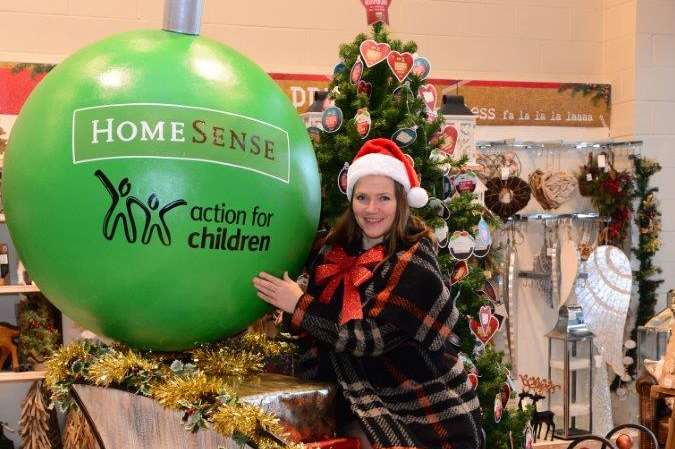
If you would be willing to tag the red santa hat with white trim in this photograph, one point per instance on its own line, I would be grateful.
(384, 157)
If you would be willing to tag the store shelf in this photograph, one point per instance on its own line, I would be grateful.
(26, 376)
(575, 364)
(576, 409)
(17, 289)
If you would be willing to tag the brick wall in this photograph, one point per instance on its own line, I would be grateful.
(485, 39)
(655, 112)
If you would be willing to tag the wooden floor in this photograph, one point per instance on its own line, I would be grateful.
(564, 444)
(555, 444)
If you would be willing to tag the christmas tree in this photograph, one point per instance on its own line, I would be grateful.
(38, 424)
(379, 94)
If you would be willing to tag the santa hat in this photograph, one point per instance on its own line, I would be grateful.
(384, 157)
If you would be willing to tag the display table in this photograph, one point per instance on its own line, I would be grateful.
(125, 420)
(658, 392)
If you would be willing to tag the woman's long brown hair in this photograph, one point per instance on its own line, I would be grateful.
(406, 230)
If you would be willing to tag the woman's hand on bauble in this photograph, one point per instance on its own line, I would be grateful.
(283, 293)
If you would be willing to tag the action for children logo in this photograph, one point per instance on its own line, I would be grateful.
(121, 217)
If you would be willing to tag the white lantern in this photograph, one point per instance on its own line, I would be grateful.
(312, 117)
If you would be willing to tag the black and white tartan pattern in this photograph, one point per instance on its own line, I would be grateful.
(395, 366)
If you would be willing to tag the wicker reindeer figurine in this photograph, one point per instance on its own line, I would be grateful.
(536, 388)
(7, 346)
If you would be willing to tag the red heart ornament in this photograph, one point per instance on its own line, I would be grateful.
(505, 394)
(484, 335)
(459, 271)
(449, 139)
(373, 53)
(473, 379)
(400, 63)
(428, 94)
(364, 87)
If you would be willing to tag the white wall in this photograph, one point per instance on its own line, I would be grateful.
(552, 40)
(559, 40)
(655, 113)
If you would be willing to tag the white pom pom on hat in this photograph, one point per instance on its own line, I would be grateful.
(383, 157)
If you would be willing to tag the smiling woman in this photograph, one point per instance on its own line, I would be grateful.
(374, 205)
(377, 316)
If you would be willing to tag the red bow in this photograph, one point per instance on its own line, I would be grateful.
(352, 272)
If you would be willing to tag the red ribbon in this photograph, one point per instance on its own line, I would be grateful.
(352, 271)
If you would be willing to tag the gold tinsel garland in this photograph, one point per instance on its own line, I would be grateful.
(59, 365)
(115, 367)
(200, 382)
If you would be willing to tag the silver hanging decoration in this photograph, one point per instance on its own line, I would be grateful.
(509, 276)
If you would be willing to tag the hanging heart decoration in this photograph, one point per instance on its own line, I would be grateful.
(374, 53)
(356, 71)
(364, 87)
(459, 272)
(449, 134)
(428, 94)
(484, 333)
(505, 394)
(400, 64)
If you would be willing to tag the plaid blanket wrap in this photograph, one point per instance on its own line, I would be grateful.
(395, 366)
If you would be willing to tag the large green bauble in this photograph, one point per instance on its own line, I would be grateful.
(149, 177)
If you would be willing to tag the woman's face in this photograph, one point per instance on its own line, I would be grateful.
(374, 205)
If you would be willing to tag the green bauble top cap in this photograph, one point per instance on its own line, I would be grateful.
(149, 177)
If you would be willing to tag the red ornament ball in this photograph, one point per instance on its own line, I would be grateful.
(624, 441)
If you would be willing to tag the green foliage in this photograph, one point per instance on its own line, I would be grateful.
(648, 222)
(39, 326)
(493, 374)
(611, 193)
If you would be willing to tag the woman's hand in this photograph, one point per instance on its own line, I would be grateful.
(283, 293)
